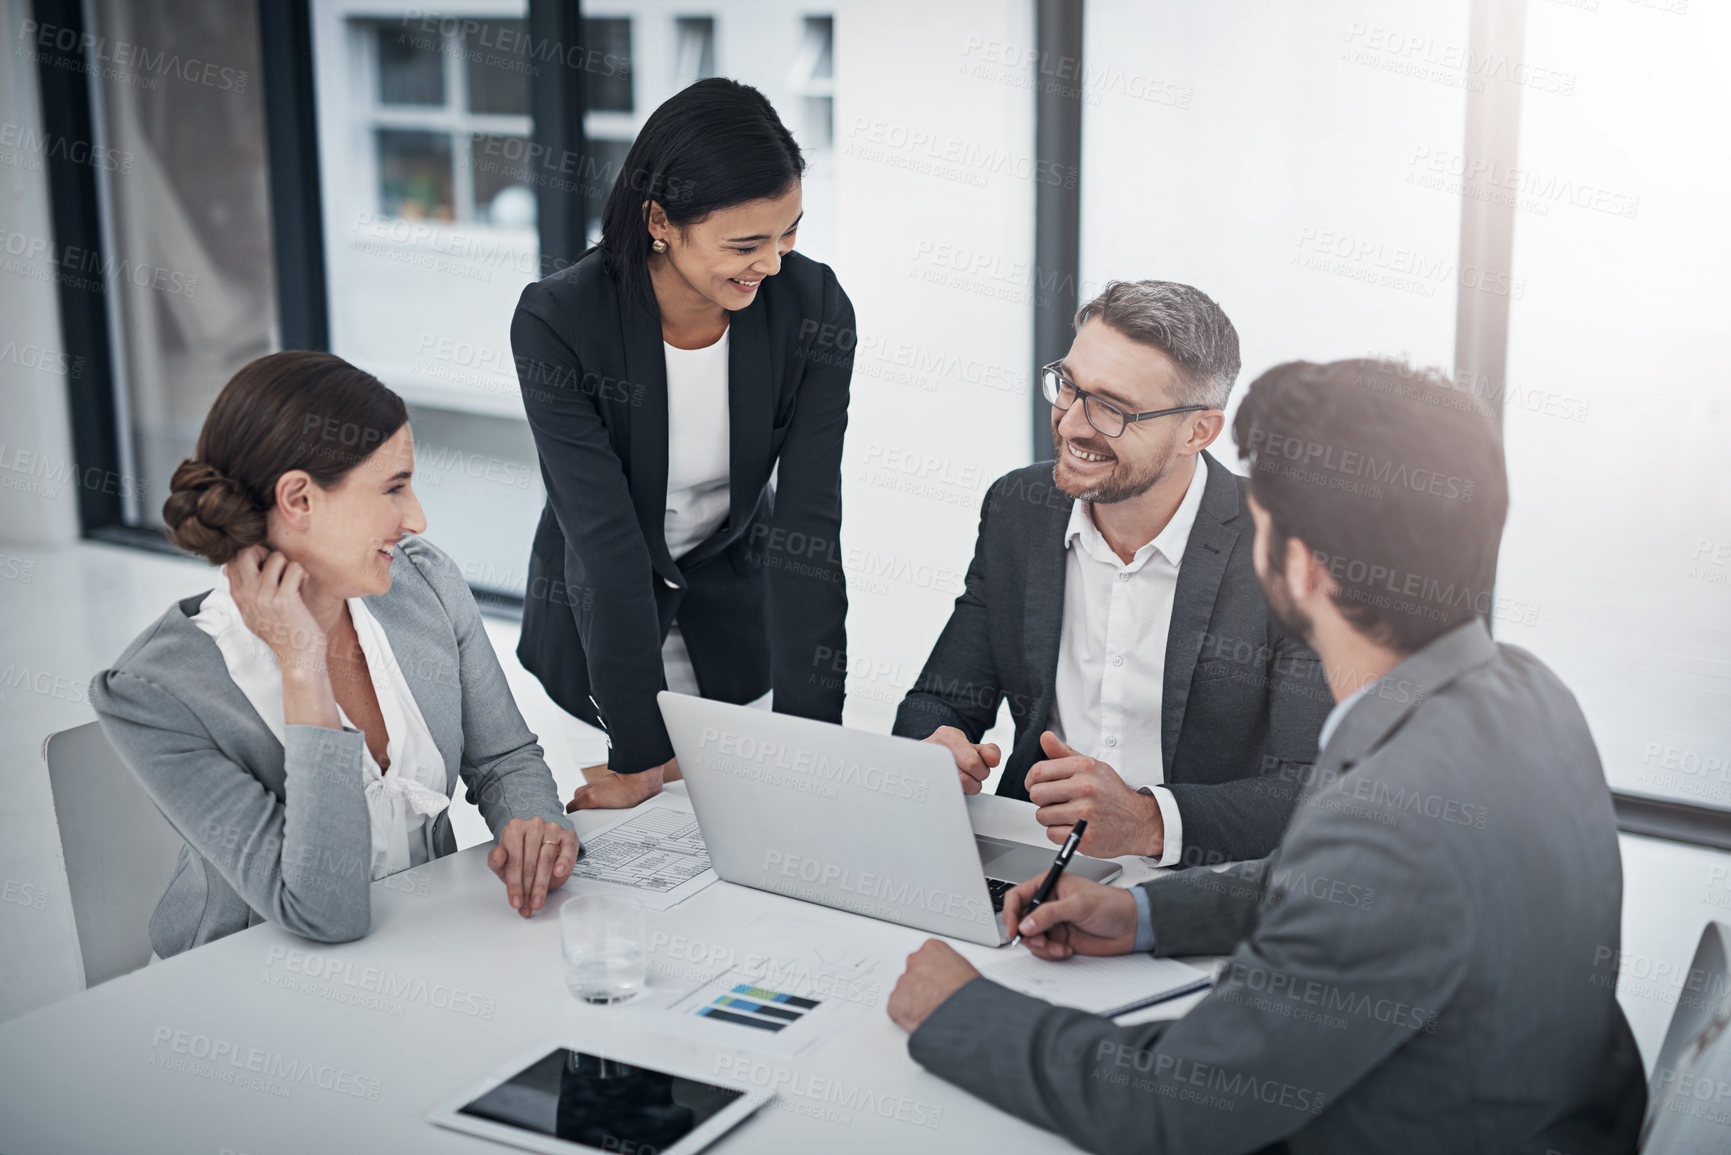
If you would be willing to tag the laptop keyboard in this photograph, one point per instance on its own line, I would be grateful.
(999, 889)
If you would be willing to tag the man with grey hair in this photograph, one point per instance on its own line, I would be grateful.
(1113, 603)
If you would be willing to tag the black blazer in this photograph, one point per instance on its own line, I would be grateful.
(762, 601)
(1241, 700)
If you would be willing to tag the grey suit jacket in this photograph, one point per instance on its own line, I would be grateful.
(1242, 700)
(279, 830)
(1427, 963)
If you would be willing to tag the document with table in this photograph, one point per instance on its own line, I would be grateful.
(655, 852)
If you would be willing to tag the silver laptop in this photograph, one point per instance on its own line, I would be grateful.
(862, 822)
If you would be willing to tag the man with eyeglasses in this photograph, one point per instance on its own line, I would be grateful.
(1113, 603)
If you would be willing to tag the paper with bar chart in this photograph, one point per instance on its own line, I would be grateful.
(785, 988)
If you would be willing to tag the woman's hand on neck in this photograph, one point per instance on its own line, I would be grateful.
(328, 610)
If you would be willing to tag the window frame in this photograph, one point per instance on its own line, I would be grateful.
(557, 121)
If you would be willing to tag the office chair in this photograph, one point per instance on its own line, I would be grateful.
(1689, 1099)
(115, 846)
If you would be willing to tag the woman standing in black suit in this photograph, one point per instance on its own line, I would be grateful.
(666, 374)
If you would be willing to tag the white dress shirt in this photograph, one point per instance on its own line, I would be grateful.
(698, 470)
(401, 803)
(1112, 653)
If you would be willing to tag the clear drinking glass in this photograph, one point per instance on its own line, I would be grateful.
(602, 939)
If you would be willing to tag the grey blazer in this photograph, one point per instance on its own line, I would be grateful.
(1242, 700)
(1427, 963)
(279, 831)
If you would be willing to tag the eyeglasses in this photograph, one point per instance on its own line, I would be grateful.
(1101, 413)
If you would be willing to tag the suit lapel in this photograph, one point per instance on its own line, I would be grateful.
(1043, 605)
(428, 660)
(646, 365)
(1212, 538)
(1394, 696)
(751, 410)
(212, 685)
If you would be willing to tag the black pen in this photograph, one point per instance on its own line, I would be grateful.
(1058, 865)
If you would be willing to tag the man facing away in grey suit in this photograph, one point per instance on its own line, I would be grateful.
(1112, 602)
(1414, 968)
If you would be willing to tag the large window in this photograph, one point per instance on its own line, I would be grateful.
(1616, 407)
(188, 265)
(919, 191)
(1330, 226)
(430, 235)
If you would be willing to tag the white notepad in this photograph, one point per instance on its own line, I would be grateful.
(1102, 986)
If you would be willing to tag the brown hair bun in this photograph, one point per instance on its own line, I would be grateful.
(209, 514)
(285, 411)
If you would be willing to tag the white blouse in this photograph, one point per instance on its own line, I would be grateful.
(698, 434)
(402, 804)
(699, 461)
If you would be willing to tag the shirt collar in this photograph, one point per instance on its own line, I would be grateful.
(1338, 715)
(1170, 541)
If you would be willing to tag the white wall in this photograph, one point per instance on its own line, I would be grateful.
(1619, 411)
(1270, 154)
(935, 235)
(38, 479)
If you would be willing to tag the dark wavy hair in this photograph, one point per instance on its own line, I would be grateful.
(284, 411)
(1393, 477)
(714, 144)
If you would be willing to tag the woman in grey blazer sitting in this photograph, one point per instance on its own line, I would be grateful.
(303, 724)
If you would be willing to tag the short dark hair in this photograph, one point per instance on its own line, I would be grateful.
(1392, 477)
(712, 145)
(1182, 322)
(281, 412)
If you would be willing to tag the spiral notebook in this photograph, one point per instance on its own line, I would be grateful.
(1102, 986)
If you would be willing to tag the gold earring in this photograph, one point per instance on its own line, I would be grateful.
(658, 245)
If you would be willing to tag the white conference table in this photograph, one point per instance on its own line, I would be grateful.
(158, 1060)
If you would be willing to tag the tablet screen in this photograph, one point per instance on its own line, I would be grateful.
(601, 1103)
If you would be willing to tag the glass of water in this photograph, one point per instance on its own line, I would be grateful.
(602, 938)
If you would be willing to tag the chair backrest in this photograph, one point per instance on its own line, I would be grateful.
(115, 846)
(1689, 1099)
